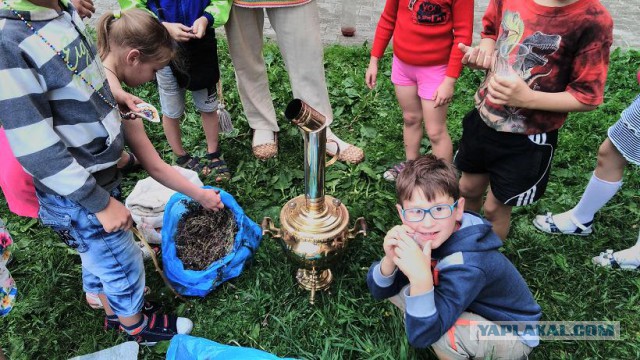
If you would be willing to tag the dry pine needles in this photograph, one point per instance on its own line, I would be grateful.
(204, 236)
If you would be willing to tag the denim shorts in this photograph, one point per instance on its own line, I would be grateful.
(172, 96)
(111, 262)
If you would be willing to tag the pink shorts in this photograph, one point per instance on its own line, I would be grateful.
(427, 78)
(15, 183)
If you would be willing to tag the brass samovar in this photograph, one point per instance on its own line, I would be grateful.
(314, 230)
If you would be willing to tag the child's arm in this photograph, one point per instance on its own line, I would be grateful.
(384, 30)
(481, 57)
(515, 92)
(585, 90)
(115, 216)
(217, 13)
(85, 8)
(179, 32)
(415, 263)
(444, 92)
(462, 18)
(383, 278)
(462, 13)
(166, 175)
(123, 98)
(432, 314)
(26, 115)
(372, 72)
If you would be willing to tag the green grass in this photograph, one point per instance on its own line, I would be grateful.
(265, 309)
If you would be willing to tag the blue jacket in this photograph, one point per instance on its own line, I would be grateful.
(184, 12)
(473, 276)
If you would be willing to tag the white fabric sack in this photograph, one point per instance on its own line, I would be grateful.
(148, 198)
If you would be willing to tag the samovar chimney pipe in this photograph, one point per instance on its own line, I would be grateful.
(314, 132)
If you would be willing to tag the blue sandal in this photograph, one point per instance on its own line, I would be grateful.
(217, 166)
(192, 163)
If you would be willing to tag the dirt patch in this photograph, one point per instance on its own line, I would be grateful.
(204, 236)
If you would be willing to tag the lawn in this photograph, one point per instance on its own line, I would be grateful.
(265, 309)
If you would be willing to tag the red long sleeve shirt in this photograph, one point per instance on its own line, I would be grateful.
(426, 33)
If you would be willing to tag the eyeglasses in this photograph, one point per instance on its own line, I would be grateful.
(437, 212)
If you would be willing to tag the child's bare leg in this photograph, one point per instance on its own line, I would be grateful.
(611, 163)
(472, 189)
(126, 321)
(211, 130)
(498, 214)
(412, 116)
(435, 122)
(603, 185)
(173, 133)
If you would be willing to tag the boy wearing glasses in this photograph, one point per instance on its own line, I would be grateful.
(442, 268)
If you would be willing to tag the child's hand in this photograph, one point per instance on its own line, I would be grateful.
(84, 8)
(475, 57)
(412, 260)
(210, 200)
(391, 241)
(115, 217)
(415, 263)
(444, 93)
(387, 265)
(372, 73)
(200, 27)
(127, 102)
(509, 91)
(179, 32)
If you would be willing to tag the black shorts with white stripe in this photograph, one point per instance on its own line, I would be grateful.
(518, 165)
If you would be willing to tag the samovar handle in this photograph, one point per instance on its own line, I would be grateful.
(335, 157)
(269, 228)
(359, 227)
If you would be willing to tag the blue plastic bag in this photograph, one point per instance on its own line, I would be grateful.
(185, 347)
(201, 283)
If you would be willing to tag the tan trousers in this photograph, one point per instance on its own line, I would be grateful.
(297, 30)
(458, 342)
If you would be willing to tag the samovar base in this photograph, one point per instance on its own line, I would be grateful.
(313, 281)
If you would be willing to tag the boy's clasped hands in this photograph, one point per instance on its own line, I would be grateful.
(508, 91)
(403, 252)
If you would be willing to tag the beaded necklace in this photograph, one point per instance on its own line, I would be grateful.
(59, 53)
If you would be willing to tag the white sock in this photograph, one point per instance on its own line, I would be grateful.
(331, 146)
(595, 196)
(628, 257)
(261, 137)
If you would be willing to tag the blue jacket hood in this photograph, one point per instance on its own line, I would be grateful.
(474, 235)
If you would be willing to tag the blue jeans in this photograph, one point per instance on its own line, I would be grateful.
(111, 262)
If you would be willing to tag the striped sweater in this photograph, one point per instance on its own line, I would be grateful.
(61, 131)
